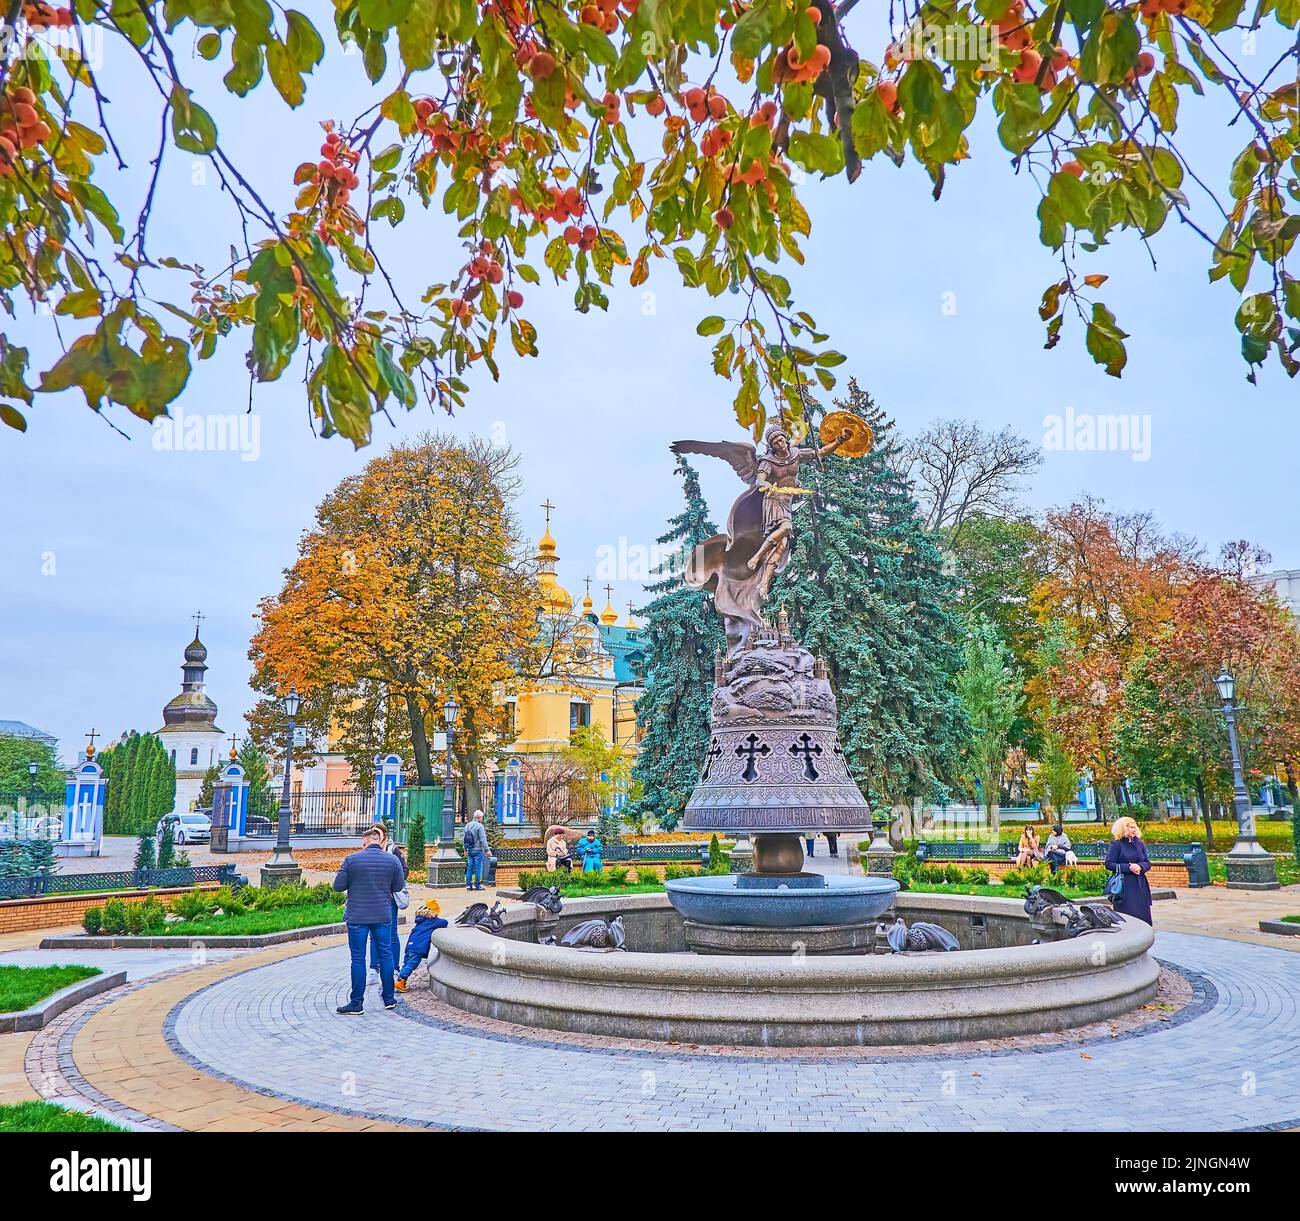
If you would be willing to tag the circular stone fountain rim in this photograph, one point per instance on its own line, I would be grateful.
(1128, 941)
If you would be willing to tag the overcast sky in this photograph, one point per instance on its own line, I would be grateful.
(112, 544)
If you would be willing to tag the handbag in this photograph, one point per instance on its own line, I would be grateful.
(402, 898)
(1115, 884)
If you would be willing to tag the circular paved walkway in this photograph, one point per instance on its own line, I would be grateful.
(1230, 1061)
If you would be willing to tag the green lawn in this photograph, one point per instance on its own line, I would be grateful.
(22, 987)
(1292, 919)
(249, 924)
(47, 1117)
(591, 892)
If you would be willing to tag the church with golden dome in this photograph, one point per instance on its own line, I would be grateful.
(597, 678)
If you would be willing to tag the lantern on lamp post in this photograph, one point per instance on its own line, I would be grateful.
(1249, 866)
(447, 868)
(282, 867)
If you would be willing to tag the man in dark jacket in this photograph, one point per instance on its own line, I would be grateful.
(371, 878)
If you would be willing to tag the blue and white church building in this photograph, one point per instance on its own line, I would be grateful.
(190, 733)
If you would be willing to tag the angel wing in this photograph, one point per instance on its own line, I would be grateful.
(740, 455)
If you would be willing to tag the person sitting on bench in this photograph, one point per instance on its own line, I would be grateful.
(1057, 850)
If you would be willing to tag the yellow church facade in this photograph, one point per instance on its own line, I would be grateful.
(597, 678)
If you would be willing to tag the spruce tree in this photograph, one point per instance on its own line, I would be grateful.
(865, 589)
(257, 772)
(207, 792)
(144, 851)
(683, 633)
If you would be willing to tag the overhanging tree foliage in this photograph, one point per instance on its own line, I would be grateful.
(512, 117)
(682, 633)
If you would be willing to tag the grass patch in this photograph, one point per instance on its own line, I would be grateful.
(591, 892)
(22, 987)
(1291, 919)
(250, 924)
(48, 1117)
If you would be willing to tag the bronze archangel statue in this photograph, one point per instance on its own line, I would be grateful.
(738, 567)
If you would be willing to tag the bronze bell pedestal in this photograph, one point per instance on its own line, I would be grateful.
(774, 769)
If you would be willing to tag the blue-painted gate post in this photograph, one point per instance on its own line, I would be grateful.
(388, 779)
(235, 810)
(510, 796)
(83, 811)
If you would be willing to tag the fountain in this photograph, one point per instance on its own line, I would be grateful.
(778, 956)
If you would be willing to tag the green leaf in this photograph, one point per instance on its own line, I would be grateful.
(306, 48)
(710, 326)
(210, 45)
(13, 417)
(754, 30)
(284, 73)
(1164, 101)
(192, 127)
(383, 14)
(416, 36)
(824, 154)
(1105, 340)
(387, 159)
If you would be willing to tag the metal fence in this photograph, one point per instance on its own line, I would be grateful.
(31, 815)
(126, 879)
(614, 853)
(341, 813)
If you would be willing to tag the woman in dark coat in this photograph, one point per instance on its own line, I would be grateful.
(1127, 856)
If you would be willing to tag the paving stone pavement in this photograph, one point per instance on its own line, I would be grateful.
(1233, 1063)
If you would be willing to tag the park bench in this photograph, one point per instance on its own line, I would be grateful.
(1169, 864)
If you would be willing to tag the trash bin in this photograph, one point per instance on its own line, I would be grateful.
(220, 838)
(1198, 867)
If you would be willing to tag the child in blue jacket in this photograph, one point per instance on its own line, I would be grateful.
(420, 941)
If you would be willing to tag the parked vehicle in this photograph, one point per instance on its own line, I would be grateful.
(191, 828)
(23, 826)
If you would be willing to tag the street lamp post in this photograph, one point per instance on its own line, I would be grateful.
(447, 868)
(1249, 866)
(282, 868)
(32, 768)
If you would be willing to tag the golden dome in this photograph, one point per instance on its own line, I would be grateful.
(556, 600)
(609, 616)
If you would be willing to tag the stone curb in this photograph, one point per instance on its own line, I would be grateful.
(63, 1000)
(253, 942)
(1282, 927)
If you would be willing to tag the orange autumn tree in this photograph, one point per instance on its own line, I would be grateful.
(1111, 581)
(1222, 620)
(412, 586)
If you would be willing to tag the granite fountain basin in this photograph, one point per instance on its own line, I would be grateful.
(1003, 982)
(781, 901)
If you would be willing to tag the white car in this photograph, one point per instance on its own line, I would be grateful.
(31, 827)
(187, 828)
